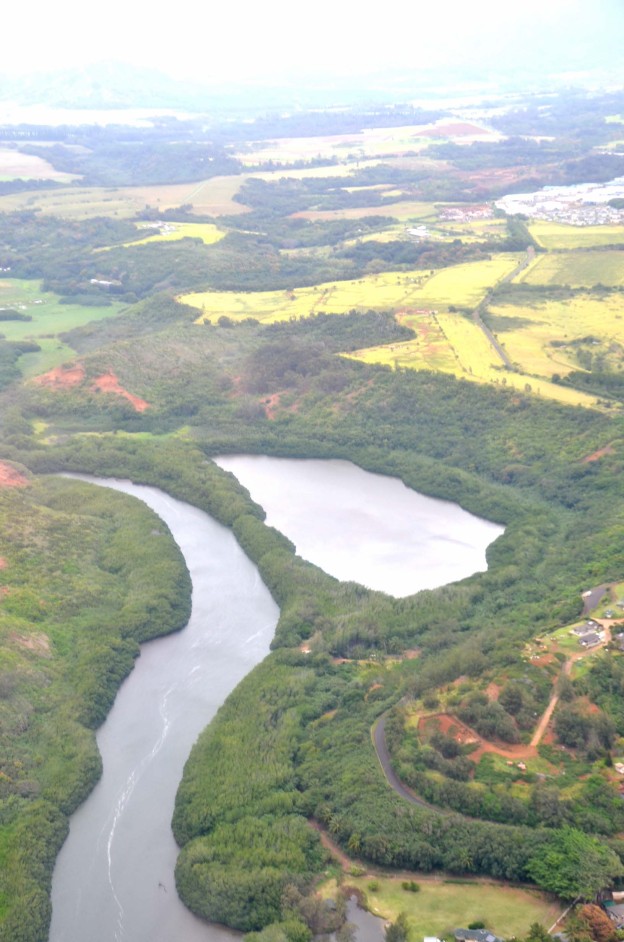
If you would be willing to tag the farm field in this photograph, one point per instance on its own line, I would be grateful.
(451, 343)
(50, 318)
(402, 210)
(460, 285)
(207, 232)
(576, 269)
(17, 166)
(211, 197)
(559, 336)
(554, 235)
(370, 142)
(440, 906)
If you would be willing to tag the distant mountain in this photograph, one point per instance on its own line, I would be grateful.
(103, 85)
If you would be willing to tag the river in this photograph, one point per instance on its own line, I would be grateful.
(113, 881)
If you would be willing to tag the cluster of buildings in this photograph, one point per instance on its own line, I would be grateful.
(589, 635)
(583, 204)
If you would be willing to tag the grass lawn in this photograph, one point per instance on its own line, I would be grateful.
(439, 906)
(49, 319)
(555, 235)
(576, 269)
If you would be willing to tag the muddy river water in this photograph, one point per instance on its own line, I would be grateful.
(113, 881)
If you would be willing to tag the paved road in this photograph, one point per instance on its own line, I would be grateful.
(592, 598)
(379, 741)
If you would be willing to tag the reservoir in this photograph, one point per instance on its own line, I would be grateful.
(363, 527)
(113, 881)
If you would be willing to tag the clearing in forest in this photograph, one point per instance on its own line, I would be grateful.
(173, 231)
(48, 319)
(443, 903)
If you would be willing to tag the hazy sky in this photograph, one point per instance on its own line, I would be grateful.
(246, 39)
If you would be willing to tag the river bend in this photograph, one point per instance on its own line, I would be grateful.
(113, 881)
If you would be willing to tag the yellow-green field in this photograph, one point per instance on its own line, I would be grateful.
(576, 269)
(452, 343)
(554, 235)
(213, 197)
(584, 322)
(402, 210)
(208, 233)
(439, 906)
(460, 285)
(49, 319)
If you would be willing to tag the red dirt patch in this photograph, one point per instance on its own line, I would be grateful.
(271, 404)
(10, 477)
(543, 660)
(492, 691)
(451, 726)
(109, 383)
(411, 653)
(3, 563)
(62, 377)
(600, 453)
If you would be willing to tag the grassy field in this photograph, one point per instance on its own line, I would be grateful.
(576, 269)
(212, 197)
(451, 343)
(461, 285)
(368, 143)
(207, 232)
(17, 166)
(439, 906)
(402, 210)
(49, 319)
(554, 235)
(584, 323)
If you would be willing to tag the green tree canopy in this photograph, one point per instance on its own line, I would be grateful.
(574, 864)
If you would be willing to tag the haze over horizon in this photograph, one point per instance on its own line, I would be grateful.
(267, 43)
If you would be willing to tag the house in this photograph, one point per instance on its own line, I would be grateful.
(590, 640)
(475, 935)
(615, 911)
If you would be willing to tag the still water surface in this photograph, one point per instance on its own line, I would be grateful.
(365, 527)
(114, 877)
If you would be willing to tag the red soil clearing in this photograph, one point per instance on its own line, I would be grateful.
(451, 726)
(596, 455)
(109, 383)
(9, 477)
(62, 377)
(3, 562)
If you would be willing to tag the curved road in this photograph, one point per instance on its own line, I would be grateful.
(379, 742)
